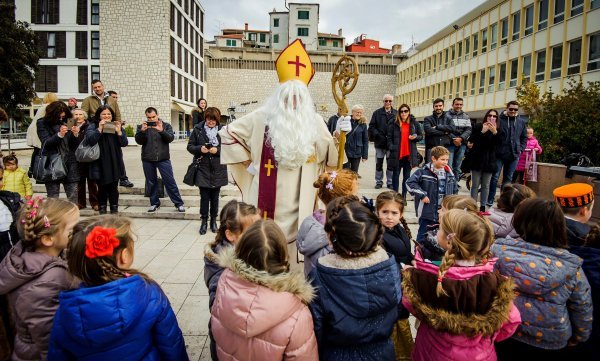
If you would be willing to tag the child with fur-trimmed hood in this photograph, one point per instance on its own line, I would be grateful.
(464, 306)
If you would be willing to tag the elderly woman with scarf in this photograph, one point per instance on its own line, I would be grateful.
(205, 145)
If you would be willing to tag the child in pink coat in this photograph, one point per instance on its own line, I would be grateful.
(532, 146)
(463, 305)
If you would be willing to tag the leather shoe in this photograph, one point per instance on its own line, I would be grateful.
(203, 226)
(378, 186)
(126, 183)
(213, 225)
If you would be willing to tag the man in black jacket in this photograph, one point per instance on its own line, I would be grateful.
(438, 128)
(512, 140)
(378, 127)
(154, 136)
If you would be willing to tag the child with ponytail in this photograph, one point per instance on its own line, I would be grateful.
(34, 272)
(358, 287)
(312, 240)
(396, 240)
(118, 312)
(464, 306)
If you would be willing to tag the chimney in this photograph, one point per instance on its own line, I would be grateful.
(340, 32)
(396, 48)
(246, 26)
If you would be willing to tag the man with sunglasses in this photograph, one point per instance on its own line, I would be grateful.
(378, 126)
(512, 140)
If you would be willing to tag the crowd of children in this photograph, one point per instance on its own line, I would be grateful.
(515, 283)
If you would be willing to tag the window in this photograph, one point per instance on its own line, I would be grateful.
(502, 76)
(543, 15)
(275, 38)
(45, 79)
(322, 42)
(179, 24)
(444, 92)
(452, 54)
(460, 46)
(516, 23)
(230, 42)
(45, 11)
(556, 62)
(95, 12)
(434, 63)
(303, 14)
(446, 58)
(82, 79)
(467, 46)
(81, 43)
(559, 11)
(540, 66)
(82, 16)
(336, 44)
(475, 44)
(484, 41)
(95, 45)
(179, 86)
(473, 80)
(173, 16)
(594, 4)
(526, 68)
(481, 81)
(186, 59)
(528, 20)
(494, 36)
(456, 86)
(574, 57)
(96, 72)
(594, 52)
(465, 84)
(302, 31)
(276, 23)
(180, 56)
(504, 31)
(263, 38)
(491, 79)
(514, 72)
(576, 7)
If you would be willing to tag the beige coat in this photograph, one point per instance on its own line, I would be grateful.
(92, 103)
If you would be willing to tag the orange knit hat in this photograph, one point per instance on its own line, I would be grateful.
(574, 195)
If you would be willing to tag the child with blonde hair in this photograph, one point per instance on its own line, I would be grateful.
(463, 305)
(15, 177)
(312, 240)
(35, 271)
(260, 310)
(118, 310)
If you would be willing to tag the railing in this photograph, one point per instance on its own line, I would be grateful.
(10, 141)
(182, 134)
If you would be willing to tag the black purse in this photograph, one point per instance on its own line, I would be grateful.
(49, 167)
(190, 175)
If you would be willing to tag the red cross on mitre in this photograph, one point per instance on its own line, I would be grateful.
(294, 63)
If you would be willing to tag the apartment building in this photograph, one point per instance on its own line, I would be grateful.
(300, 22)
(497, 46)
(244, 38)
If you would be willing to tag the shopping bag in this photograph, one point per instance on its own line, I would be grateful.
(531, 167)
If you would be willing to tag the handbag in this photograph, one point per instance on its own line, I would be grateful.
(160, 188)
(49, 167)
(531, 167)
(190, 175)
(86, 153)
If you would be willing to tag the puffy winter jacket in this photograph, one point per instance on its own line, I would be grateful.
(32, 281)
(356, 306)
(461, 124)
(502, 223)
(155, 144)
(437, 130)
(464, 325)
(394, 136)
(378, 126)
(591, 267)
(532, 146)
(424, 183)
(128, 319)
(17, 181)
(312, 241)
(258, 316)
(554, 295)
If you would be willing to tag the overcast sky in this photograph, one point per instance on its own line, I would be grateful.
(389, 21)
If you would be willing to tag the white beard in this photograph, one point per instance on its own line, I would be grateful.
(292, 132)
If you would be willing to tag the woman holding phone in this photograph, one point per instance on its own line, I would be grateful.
(482, 155)
(402, 136)
(205, 146)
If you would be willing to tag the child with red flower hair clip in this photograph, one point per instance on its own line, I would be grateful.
(35, 271)
(119, 311)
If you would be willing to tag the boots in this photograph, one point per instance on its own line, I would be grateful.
(213, 225)
(203, 226)
(102, 209)
(114, 209)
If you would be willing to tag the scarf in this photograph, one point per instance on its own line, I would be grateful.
(211, 133)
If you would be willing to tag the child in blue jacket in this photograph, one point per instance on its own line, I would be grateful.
(429, 185)
(118, 312)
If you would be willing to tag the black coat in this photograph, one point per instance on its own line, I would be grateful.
(394, 134)
(12, 201)
(511, 144)
(109, 167)
(378, 126)
(155, 144)
(437, 130)
(357, 141)
(53, 144)
(482, 157)
(211, 174)
(197, 117)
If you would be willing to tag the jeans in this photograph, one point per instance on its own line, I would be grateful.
(166, 172)
(480, 179)
(352, 164)
(456, 157)
(424, 225)
(209, 198)
(53, 190)
(380, 154)
(507, 167)
(108, 193)
(404, 166)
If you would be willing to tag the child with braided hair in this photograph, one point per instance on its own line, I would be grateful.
(358, 287)
(118, 310)
(464, 306)
(34, 272)
(312, 240)
(397, 241)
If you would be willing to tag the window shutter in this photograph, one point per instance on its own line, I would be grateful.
(51, 81)
(61, 46)
(40, 79)
(42, 42)
(54, 8)
(81, 12)
(81, 43)
(83, 79)
(35, 12)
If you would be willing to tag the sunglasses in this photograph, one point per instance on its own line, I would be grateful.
(404, 111)
(387, 101)
(492, 116)
(513, 109)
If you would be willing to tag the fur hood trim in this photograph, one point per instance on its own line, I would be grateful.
(333, 260)
(292, 282)
(470, 325)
